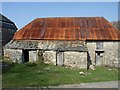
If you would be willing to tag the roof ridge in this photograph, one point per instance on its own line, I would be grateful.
(70, 17)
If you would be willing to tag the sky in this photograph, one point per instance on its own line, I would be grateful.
(22, 13)
(60, 0)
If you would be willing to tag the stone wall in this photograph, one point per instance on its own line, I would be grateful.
(76, 59)
(110, 54)
(14, 54)
(49, 57)
(45, 50)
(43, 44)
(71, 58)
(91, 52)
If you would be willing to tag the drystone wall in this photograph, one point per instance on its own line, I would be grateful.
(14, 55)
(91, 52)
(49, 57)
(110, 55)
(13, 51)
(47, 50)
(76, 59)
(43, 44)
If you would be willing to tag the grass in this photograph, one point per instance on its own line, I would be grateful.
(37, 75)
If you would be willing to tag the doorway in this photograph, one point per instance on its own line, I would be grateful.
(99, 57)
(25, 55)
(60, 58)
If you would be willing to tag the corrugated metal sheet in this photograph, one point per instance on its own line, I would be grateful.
(78, 28)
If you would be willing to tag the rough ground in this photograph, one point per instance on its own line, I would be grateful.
(110, 84)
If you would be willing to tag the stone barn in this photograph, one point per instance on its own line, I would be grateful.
(70, 41)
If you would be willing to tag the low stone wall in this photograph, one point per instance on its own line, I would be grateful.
(76, 59)
(14, 55)
(49, 57)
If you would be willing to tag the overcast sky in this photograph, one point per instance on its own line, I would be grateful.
(24, 12)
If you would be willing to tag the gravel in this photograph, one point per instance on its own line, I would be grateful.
(110, 84)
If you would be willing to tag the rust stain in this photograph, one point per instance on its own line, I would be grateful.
(68, 28)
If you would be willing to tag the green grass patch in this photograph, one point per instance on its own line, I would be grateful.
(40, 74)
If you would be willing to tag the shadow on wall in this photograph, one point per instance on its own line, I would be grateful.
(89, 61)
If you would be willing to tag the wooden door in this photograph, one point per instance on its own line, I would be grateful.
(99, 58)
(60, 58)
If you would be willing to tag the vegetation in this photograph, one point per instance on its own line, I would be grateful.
(40, 74)
(116, 24)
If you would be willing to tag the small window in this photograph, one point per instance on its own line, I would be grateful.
(98, 54)
(99, 45)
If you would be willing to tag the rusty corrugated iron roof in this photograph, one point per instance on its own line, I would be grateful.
(68, 28)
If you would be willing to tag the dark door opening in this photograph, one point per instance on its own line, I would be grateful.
(26, 55)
